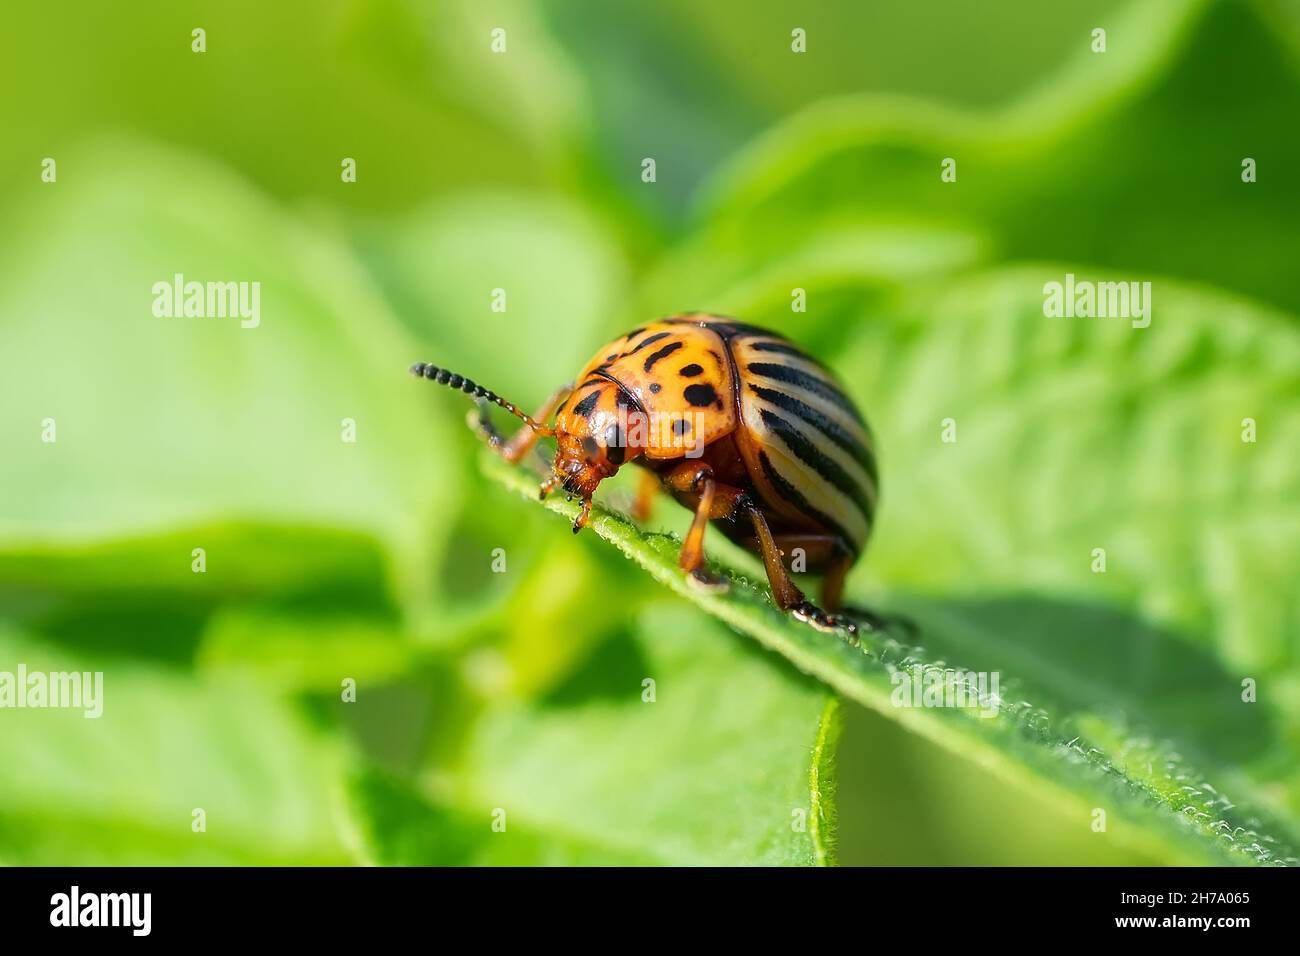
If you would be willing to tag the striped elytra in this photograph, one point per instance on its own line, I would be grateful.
(749, 432)
(806, 450)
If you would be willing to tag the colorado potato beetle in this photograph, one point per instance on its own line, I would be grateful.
(737, 424)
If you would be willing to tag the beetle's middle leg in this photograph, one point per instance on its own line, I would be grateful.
(521, 443)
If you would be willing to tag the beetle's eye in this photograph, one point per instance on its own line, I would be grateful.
(614, 450)
(590, 448)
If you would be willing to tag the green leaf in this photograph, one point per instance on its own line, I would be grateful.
(395, 824)
(176, 433)
(121, 789)
(708, 81)
(1083, 757)
(397, 85)
(1126, 439)
(724, 760)
(476, 274)
(1078, 170)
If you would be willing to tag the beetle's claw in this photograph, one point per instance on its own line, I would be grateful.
(814, 616)
(584, 516)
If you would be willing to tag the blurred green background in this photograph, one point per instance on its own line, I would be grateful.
(372, 560)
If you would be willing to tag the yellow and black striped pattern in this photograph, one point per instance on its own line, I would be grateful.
(806, 450)
(806, 447)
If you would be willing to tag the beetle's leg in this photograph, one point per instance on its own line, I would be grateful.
(818, 551)
(833, 582)
(584, 516)
(831, 551)
(715, 500)
(547, 486)
(785, 592)
(833, 594)
(522, 442)
(645, 496)
(694, 478)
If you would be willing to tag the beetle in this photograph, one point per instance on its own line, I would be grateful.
(748, 431)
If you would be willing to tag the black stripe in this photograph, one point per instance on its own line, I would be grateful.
(587, 405)
(812, 456)
(827, 426)
(667, 350)
(784, 348)
(791, 494)
(648, 340)
(726, 328)
(623, 390)
(801, 379)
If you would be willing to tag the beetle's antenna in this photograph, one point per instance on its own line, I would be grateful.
(443, 377)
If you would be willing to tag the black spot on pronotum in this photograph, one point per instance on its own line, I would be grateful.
(587, 405)
(681, 427)
(667, 350)
(690, 371)
(700, 395)
(590, 448)
(655, 388)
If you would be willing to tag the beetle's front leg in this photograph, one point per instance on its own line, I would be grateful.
(715, 500)
(522, 442)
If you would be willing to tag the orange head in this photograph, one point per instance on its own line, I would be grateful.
(595, 434)
(591, 432)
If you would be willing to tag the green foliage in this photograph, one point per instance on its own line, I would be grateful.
(519, 687)
(668, 720)
(1078, 741)
(124, 786)
(165, 424)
